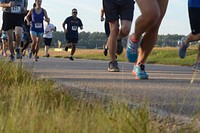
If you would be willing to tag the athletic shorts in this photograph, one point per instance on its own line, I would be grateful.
(194, 15)
(47, 41)
(72, 40)
(118, 9)
(38, 34)
(11, 20)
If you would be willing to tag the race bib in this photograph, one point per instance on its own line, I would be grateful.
(16, 9)
(74, 28)
(38, 25)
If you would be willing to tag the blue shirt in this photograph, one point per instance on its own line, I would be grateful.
(72, 26)
(37, 21)
(194, 3)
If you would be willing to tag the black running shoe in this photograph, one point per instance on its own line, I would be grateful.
(105, 52)
(71, 58)
(113, 66)
(66, 48)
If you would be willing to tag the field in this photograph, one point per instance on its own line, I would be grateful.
(168, 56)
(32, 105)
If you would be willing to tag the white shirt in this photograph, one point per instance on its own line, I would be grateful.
(48, 30)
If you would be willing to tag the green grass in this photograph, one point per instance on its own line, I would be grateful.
(32, 105)
(167, 56)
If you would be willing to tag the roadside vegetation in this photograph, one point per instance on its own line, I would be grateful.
(165, 55)
(29, 104)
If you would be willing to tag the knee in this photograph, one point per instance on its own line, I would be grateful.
(125, 30)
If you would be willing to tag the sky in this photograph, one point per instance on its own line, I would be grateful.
(175, 21)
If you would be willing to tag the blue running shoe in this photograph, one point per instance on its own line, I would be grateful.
(182, 48)
(30, 54)
(132, 50)
(196, 66)
(12, 58)
(139, 72)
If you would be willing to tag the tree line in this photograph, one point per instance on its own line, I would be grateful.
(96, 40)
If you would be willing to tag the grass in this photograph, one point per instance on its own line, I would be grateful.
(29, 104)
(167, 56)
(32, 105)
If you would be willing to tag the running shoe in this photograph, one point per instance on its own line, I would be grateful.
(139, 72)
(105, 52)
(12, 58)
(113, 66)
(30, 54)
(132, 50)
(71, 58)
(182, 48)
(18, 55)
(66, 48)
(4, 53)
(48, 55)
(119, 47)
(35, 58)
(196, 66)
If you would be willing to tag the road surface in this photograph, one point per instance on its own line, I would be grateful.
(169, 89)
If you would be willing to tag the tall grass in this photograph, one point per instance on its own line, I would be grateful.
(31, 105)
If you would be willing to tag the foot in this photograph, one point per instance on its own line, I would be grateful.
(12, 58)
(132, 50)
(139, 72)
(113, 66)
(71, 58)
(66, 48)
(196, 66)
(182, 48)
(30, 54)
(105, 52)
(18, 55)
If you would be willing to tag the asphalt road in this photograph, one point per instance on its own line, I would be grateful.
(169, 89)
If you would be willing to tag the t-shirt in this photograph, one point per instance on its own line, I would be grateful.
(17, 9)
(72, 26)
(48, 30)
(194, 3)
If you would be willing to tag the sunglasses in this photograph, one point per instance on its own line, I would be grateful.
(74, 12)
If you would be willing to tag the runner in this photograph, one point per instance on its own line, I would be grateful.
(115, 10)
(194, 16)
(49, 28)
(148, 23)
(71, 32)
(4, 43)
(12, 21)
(38, 14)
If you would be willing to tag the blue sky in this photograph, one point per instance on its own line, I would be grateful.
(175, 22)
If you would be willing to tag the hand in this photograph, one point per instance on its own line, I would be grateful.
(102, 19)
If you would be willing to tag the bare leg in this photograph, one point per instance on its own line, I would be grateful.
(154, 14)
(112, 39)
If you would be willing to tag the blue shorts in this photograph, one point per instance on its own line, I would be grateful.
(39, 34)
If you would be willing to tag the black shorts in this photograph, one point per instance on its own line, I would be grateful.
(72, 40)
(194, 15)
(47, 41)
(11, 20)
(115, 9)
